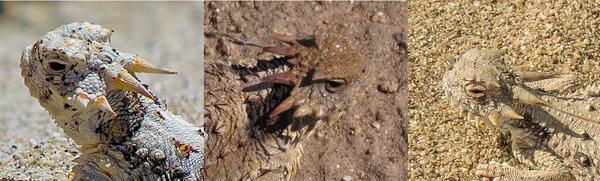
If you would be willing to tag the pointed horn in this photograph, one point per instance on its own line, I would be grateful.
(103, 105)
(524, 96)
(281, 50)
(283, 106)
(284, 38)
(83, 99)
(494, 117)
(529, 76)
(142, 65)
(302, 111)
(126, 81)
(509, 112)
(286, 78)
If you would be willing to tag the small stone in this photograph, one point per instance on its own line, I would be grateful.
(376, 125)
(389, 86)
(320, 134)
(381, 116)
(347, 178)
(379, 17)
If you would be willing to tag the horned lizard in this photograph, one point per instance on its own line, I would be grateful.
(260, 128)
(552, 119)
(91, 91)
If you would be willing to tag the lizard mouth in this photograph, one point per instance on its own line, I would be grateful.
(262, 104)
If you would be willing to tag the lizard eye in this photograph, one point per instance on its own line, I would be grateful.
(475, 90)
(336, 85)
(56, 66)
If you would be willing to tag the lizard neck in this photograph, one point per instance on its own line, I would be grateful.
(90, 127)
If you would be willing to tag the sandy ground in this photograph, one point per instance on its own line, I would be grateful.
(369, 142)
(31, 146)
(541, 36)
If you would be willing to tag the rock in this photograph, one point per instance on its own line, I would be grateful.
(347, 178)
(388, 86)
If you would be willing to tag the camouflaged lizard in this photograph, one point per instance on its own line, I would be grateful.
(257, 126)
(91, 91)
(552, 120)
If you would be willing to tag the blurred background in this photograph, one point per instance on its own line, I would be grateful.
(168, 34)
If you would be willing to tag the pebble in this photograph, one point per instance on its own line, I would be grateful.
(389, 86)
(347, 178)
(376, 125)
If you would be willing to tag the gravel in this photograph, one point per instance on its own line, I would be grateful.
(540, 36)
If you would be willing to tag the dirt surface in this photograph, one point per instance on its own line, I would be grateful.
(542, 36)
(368, 144)
(31, 145)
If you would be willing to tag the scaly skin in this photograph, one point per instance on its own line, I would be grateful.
(552, 120)
(257, 132)
(91, 91)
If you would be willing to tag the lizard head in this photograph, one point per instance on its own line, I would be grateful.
(71, 69)
(482, 84)
(325, 75)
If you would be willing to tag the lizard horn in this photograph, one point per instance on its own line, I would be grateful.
(524, 96)
(120, 79)
(529, 76)
(103, 105)
(286, 78)
(509, 112)
(302, 111)
(494, 117)
(283, 106)
(83, 99)
(142, 65)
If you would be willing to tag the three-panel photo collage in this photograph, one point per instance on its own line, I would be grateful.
(316, 90)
